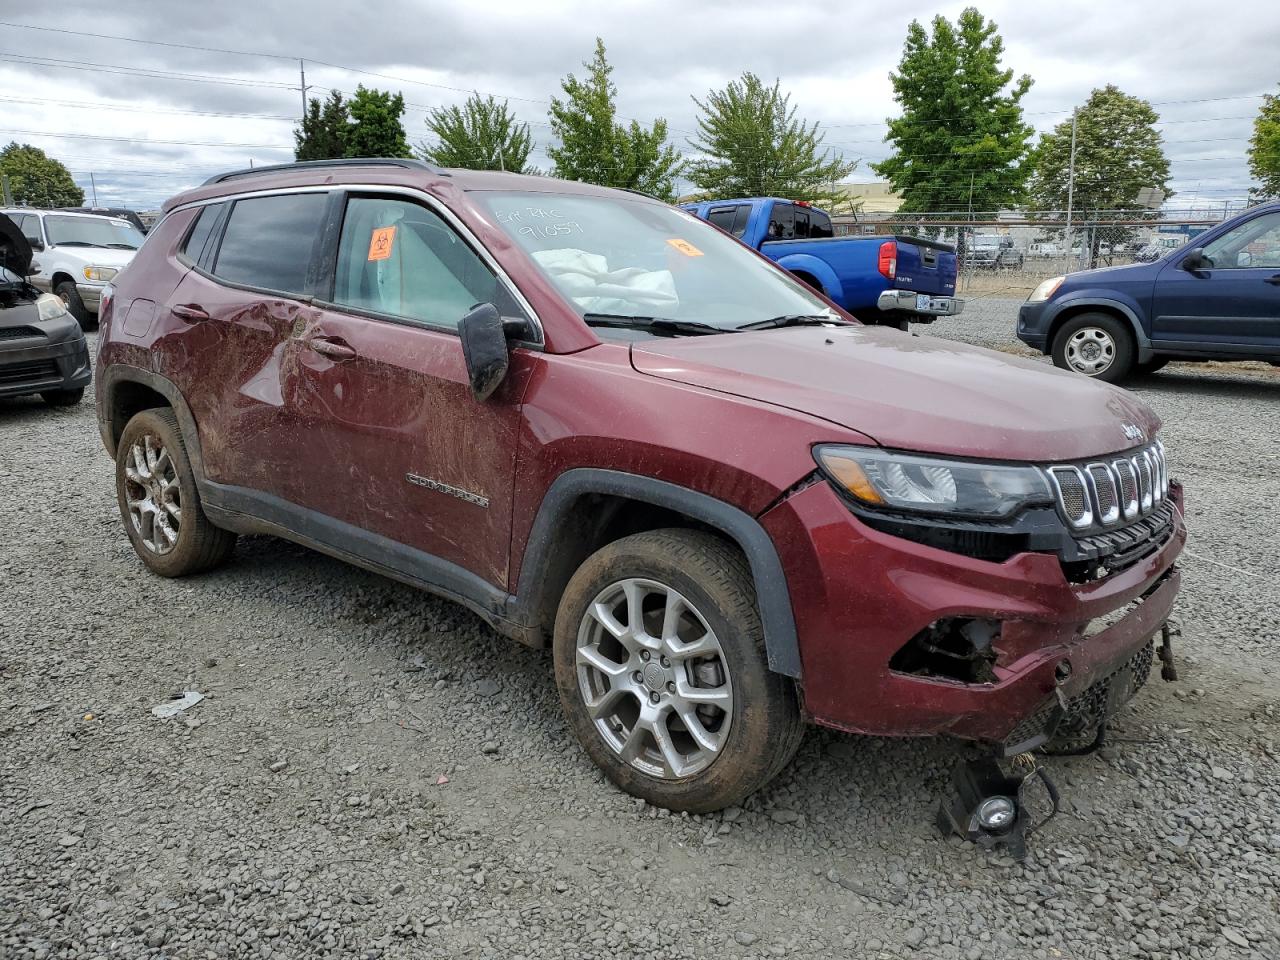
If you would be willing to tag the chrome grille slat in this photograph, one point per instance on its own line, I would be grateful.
(1107, 493)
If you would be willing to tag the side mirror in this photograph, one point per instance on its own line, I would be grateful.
(484, 347)
(1195, 260)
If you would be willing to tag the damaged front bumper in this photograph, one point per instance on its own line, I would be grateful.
(1058, 647)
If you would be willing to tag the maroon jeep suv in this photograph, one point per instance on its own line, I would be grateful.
(608, 427)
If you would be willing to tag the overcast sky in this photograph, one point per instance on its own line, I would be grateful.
(71, 95)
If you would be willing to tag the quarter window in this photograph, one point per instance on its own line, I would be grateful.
(398, 258)
(199, 234)
(268, 241)
(782, 222)
(819, 225)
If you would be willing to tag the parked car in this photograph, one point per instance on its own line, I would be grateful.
(1217, 300)
(992, 252)
(78, 254)
(884, 279)
(607, 427)
(118, 213)
(42, 348)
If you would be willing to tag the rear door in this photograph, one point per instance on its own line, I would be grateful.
(233, 314)
(377, 389)
(1232, 305)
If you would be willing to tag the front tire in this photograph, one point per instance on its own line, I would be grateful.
(1096, 345)
(158, 500)
(70, 296)
(661, 668)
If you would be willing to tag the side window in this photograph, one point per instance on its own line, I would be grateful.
(396, 257)
(722, 217)
(819, 225)
(802, 224)
(268, 241)
(1253, 244)
(741, 219)
(782, 223)
(30, 227)
(200, 231)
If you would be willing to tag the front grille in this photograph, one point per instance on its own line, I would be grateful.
(19, 333)
(31, 372)
(1105, 493)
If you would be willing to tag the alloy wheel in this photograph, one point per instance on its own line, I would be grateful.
(1090, 350)
(654, 679)
(153, 494)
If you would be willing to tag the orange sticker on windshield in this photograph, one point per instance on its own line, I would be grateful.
(381, 242)
(685, 247)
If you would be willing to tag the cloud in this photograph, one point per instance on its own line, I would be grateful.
(834, 62)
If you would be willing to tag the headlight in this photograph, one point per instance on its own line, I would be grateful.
(101, 274)
(51, 307)
(901, 481)
(1045, 290)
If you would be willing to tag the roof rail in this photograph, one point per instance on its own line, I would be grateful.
(406, 163)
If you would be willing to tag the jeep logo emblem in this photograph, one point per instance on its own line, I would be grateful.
(1133, 432)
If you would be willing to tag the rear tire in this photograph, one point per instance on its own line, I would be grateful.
(158, 500)
(1096, 345)
(70, 296)
(63, 398)
(623, 686)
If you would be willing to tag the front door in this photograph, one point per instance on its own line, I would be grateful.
(378, 389)
(1230, 306)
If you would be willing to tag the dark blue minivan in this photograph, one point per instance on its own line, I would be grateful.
(1216, 300)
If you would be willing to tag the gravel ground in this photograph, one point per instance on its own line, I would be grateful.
(373, 773)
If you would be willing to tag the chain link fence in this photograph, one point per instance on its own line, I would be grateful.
(1009, 253)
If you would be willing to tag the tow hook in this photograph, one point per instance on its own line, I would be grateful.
(986, 807)
(1168, 669)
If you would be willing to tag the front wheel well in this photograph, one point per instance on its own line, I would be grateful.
(61, 277)
(1074, 311)
(591, 522)
(127, 399)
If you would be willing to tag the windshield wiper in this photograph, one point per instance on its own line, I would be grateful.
(77, 243)
(790, 320)
(120, 246)
(654, 324)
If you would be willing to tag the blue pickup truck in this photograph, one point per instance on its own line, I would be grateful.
(889, 280)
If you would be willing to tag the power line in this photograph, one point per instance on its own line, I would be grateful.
(125, 108)
(183, 143)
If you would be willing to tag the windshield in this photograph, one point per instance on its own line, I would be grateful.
(93, 232)
(633, 258)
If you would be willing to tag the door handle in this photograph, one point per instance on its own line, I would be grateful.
(190, 312)
(1274, 281)
(332, 348)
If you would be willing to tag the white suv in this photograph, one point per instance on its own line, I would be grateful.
(76, 255)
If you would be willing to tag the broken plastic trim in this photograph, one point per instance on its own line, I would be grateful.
(954, 648)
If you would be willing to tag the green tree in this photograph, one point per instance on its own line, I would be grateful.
(753, 146)
(482, 134)
(377, 129)
(961, 139)
(1118, 154)
(595, 148)
(1264, 149)
(322, 135)
(36, 179)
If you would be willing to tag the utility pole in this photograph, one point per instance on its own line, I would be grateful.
(4, 189)
(93, 185)
(1071, 177)
(302, 74)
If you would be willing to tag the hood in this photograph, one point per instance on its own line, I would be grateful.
(15, 251)
(912, 393)
(1084, 278)
(98, 256)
